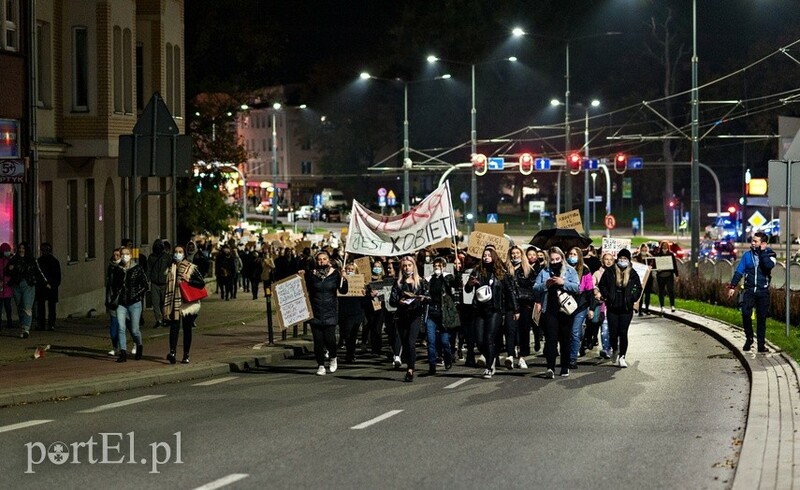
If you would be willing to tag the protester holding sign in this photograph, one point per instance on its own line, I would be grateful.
(641, 257)
(665, 277)
(585, 308)
(323, 283)
(409, 295)
(518, 332)
(599, 322)
(441, 314)
(351, 314)
(494, 294)
(376, 311)
(555, 280)
(620, 288)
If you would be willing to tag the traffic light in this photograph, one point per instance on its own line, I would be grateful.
(620, 163)
(480, 163)
(574, 161)
(732, 210)
(526, 164)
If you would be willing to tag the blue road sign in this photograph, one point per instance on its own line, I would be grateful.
(464, 197)
(635, 163)
(591, 164)
(392, 201)
(382, 201)
(491, 218)
(542, 164)
(317, 200)
(496, 163)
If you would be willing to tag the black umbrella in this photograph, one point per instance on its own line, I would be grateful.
(563, 238)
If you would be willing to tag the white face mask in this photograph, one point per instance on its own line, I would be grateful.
(623, 264)
(408, 273)
(178, 257)
(351, 273)
(126, 258)
(437, 272)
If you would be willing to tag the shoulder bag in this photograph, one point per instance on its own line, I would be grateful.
(567, 302)
(190, 294)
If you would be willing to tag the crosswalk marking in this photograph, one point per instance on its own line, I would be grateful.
(457, 384)
(377, 419)
(121, 404)
(22, 425)
(224, 481)
(215, 381)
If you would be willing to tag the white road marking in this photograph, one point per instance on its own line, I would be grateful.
(457, 384)
(22, 425)
(224, 481)
(377, 419)
(121, 404)
(215, 381)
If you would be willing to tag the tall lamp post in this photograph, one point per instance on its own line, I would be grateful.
(407, 163)
(473, 115)
(275, 108)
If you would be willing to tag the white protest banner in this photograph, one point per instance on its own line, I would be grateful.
(291, 299)
(466, 298)
(614, 245)
(479, 240)
(643, 271)
(570, 219)
(663, 263)
(428, 223)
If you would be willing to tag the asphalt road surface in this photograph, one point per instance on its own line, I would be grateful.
(673, 419)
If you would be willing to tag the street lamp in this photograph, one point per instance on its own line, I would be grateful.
(473, 134)
(219, 165)
(519, 32)
(407, 163)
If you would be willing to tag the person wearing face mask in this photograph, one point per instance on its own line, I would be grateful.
(620, 289)
(518, 332)
(375, 312)
(491, 275)
(112, 301)
(665, 279)
(323, 283)
(585, 310)
(409, 293)
(599, 322)
(557, 276)
(351, 316)
(225, 270)
(756, 269)
(25, 274)
(177, 312)
(5, 287)
(439, 285)
(641, 257)
(47, 290)
(129, 285)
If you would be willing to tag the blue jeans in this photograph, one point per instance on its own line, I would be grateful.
(605, 338)
(438, 336)
(24, 295)
(577, 334)
(113, 330)
(133, 311)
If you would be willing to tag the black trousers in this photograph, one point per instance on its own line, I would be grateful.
(373, 331)
(666, 285)
(618, 324)
(324, 338)
(51, 312)
(759, 301)
(348, 331)
(187, 323)
(409, 328)
(487, 325)
(557, 331)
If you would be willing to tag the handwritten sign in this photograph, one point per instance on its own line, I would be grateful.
(570, 219)
(643, 271)
(291, 299)
(479, 240)
(364, 267)
(466, 298)
(302, 245)
(663, 263)
(355, 286)
(384, 289)
(496, 229)
(614, 245)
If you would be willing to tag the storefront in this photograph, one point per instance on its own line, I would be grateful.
(12, 172)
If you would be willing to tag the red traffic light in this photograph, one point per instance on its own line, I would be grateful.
(620, 163)
(574, 161)
(526, 164)
(480, 163)
(732, 209)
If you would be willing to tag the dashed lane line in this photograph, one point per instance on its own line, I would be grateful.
(22, 425)
(121, 404)
(457, 383)
(224, 481)
(377, 419)
(215, 381)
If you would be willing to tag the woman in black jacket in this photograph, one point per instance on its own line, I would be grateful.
(25, 275)
(351, 316)
(620, 288)
(409, 293)
(518, 332)
(494, 293)
(323, 283)
(129, 285)
(438, 335)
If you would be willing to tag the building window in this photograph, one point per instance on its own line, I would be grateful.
(9, 27)
(139, 77)
(43, 66)
(72, 220)
(89, 206)
(127, 76)
(178, 93)
(118, 78)
(305, 167)
(173, 69)
(169, 100)
(80, 69)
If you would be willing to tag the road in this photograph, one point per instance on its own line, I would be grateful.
(673, 419)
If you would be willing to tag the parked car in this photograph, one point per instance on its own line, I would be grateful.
(772, 228)
(718, 250)
(723, 228)
(338, 214)
(304, 212)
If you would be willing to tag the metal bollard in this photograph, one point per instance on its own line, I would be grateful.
(270, 333)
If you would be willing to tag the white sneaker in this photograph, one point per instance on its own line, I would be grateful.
(522, 364)
(133, 349)
(509, 362)
(397, 362)
(481, 361)
(662, 310)
(321, 371)
(112, 353)
(333, 366)
(487, 374)
(621, 362)
(673, 309)
(549, 374)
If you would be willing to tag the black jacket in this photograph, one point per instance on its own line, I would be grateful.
(408, 311)
(157, 265)
(322, 295)
(619, 300)
(25, 268)
(504, 295)
(128, 286)
(50, 268)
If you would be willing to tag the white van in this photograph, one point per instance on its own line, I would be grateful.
(333, 198)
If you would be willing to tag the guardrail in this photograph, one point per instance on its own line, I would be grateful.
(722, 271)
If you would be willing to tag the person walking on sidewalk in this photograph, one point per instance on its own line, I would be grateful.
(6, 291)
(225, 271)
(129, 285)
(112, 301)
(756, 268)
(47, 289)
(177, 313)
(620, 289)
(24, 272)
(323, 284)
(157, 264)
(665, 279)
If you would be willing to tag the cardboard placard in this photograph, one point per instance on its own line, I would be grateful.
(478, 241)
(663, 263)
(570, 219)
(384, 289)
(643, 271)
(446, 243)
(496, 229)
(614, 245)
(355, 286)
(291, 301)
(466, 297)
(364, 268)
(302, 245)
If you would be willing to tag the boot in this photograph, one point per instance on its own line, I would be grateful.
(185, 359)
(139, 350)
(171, 357)
(123, 356)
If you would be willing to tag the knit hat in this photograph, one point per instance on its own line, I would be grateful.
(624, 253)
